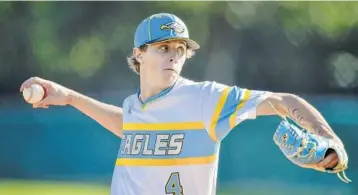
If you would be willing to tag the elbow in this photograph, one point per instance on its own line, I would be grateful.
(284, 99)
(278, 104)
(282, 102)
(290, 99)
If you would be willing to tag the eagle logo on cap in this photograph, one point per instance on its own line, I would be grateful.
(178, 28)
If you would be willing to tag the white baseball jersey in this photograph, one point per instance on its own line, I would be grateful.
(171, 142)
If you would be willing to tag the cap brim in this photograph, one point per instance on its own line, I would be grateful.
(191, 43)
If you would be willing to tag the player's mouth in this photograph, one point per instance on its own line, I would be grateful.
(171, 69)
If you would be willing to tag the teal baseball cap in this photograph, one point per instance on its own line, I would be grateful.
(162, 27)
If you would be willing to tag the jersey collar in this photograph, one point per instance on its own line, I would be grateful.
(156, 96)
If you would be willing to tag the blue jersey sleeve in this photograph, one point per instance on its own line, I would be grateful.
(224, 107)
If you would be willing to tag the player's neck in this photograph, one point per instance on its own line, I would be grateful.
(149, 89)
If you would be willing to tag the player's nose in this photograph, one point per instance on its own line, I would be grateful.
(171, 63)
(173, 58)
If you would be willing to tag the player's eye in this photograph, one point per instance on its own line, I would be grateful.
(163, 48)
(180, 50)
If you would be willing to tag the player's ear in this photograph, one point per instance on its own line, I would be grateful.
(138, 55)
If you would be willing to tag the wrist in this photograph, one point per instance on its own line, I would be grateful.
(71, 98)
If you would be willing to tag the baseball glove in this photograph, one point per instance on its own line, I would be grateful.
(306, 149)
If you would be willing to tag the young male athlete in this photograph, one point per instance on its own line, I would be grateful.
(172, 128)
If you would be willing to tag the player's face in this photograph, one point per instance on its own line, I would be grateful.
(162, 62)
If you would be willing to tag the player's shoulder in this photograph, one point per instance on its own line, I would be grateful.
(187, 84)
(129, 99)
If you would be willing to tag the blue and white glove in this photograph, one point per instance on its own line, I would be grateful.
(306, 149)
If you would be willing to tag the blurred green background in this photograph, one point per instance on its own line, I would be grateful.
(306, 48)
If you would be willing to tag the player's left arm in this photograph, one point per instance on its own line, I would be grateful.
(224, 107)
(297, 109)
(304, 114)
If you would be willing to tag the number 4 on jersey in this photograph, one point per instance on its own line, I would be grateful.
(173, 185)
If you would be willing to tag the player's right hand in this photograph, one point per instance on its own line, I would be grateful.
(55, 94)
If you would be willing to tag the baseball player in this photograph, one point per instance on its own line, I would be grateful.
(172, 127)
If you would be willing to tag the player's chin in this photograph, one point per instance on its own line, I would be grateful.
(169, 77)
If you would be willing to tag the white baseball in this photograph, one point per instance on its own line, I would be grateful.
(33, 94)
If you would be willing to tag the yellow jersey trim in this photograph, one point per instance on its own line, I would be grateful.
(232, 118)
(165, 162)
(217, 112)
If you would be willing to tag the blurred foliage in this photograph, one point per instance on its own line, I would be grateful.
(80, 43)
(329, 19)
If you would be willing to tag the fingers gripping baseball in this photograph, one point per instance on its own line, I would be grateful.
(34, 80)
(49, 93)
